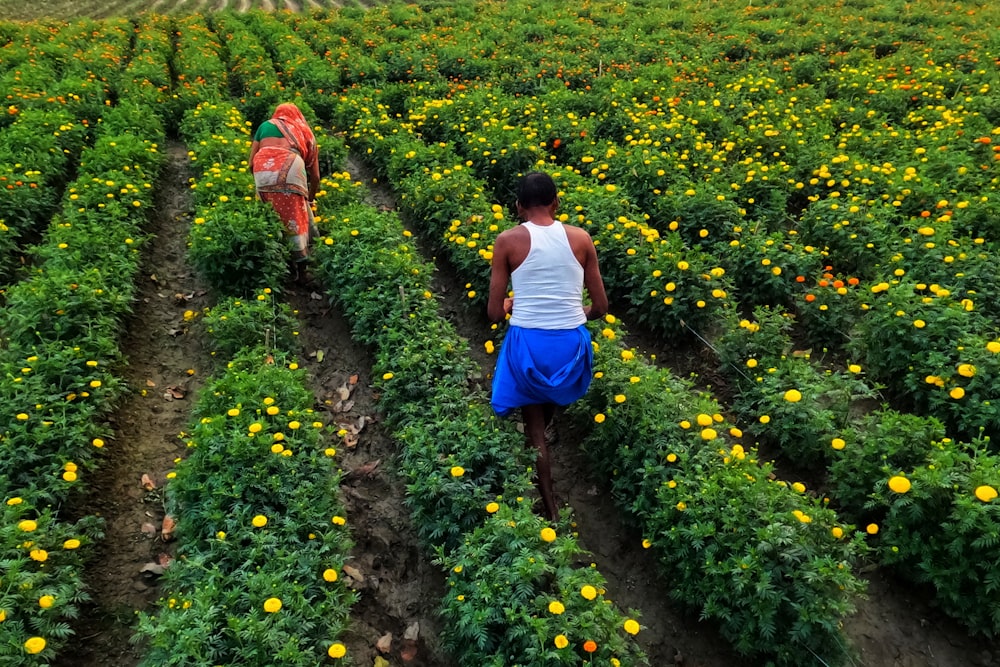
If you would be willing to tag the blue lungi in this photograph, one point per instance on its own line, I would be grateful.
(538, 366)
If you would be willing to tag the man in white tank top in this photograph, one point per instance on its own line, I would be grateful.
(546, 358)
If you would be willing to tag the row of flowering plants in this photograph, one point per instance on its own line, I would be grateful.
(60, 325)
(262, 532)
(645, 478)
(516, 594)
(932, 496)
(38, 152)
(70, 66)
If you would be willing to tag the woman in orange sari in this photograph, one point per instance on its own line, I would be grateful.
(284, 159)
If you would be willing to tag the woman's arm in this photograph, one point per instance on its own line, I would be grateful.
(254, 147)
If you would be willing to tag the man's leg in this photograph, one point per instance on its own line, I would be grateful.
(534, 426)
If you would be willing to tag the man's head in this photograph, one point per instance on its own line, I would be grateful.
(536, 189)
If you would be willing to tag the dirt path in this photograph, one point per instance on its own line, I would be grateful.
(402, 586)
(160, 352)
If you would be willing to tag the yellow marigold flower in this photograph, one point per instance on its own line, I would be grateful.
(27, 525)
(336, 650)
(34, 645)
(802, 516)
(899, 484)
(646, 543)
(854, 368)
(872, 529)
(986, 493)
(547, 534)
(957, 393)
(966, 370)
(838, 443)
(95, 384)
(752, 363)
(15, 501)
(233, 412)
(619, 398)
(561, 642)
(97, 442)
(255, 427)
(387, 376)
(608, 333)
(69, 476)
(330, 575)
(272, 410)
(22, 416)
(556, 607)
(704, 420)
(599, 418)
(920, 324)
(993, 346)
(41, 555)
(259, 521)
(632, 627)
(837, 532)
(338, 520)
(793, 396)
(610, 319)
(628, 355)
(277, 448)
(492, 508)
(71, 544)
(671, 457)
(709, 434)
(457, 471)
(765, 419)
(46, 601)
(681, 506)
(294, 425)
(799, 486)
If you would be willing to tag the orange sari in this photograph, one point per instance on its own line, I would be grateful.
(281, 177)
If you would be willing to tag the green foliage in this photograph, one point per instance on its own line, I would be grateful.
(258, 321)
(512, 592)
(945, 529)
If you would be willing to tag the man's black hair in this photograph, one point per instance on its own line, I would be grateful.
(536, 189)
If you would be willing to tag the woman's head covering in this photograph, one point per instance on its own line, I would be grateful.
(293, 122)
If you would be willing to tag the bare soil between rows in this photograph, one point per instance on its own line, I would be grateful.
(895, 626)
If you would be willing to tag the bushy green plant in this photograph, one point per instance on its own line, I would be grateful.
(942, 527)
(256, 321)
(515, 567)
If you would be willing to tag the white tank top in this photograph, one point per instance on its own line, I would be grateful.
(548, 285)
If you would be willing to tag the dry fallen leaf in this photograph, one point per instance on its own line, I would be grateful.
(165, 559)
(167, 528)
(148, 529)
(384, 643)
(353, 380)
(150, 383)
(147, 482)
(366, 469)
(152, 568)
(357, 580)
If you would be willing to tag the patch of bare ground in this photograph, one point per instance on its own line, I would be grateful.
(267, 5)
(244, 6)
(126, 490)
(401, 589)
(291, 6)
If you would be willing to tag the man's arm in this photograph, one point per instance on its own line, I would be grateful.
(499, 278)
(594, 283)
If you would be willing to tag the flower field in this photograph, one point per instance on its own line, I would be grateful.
(802, 199)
